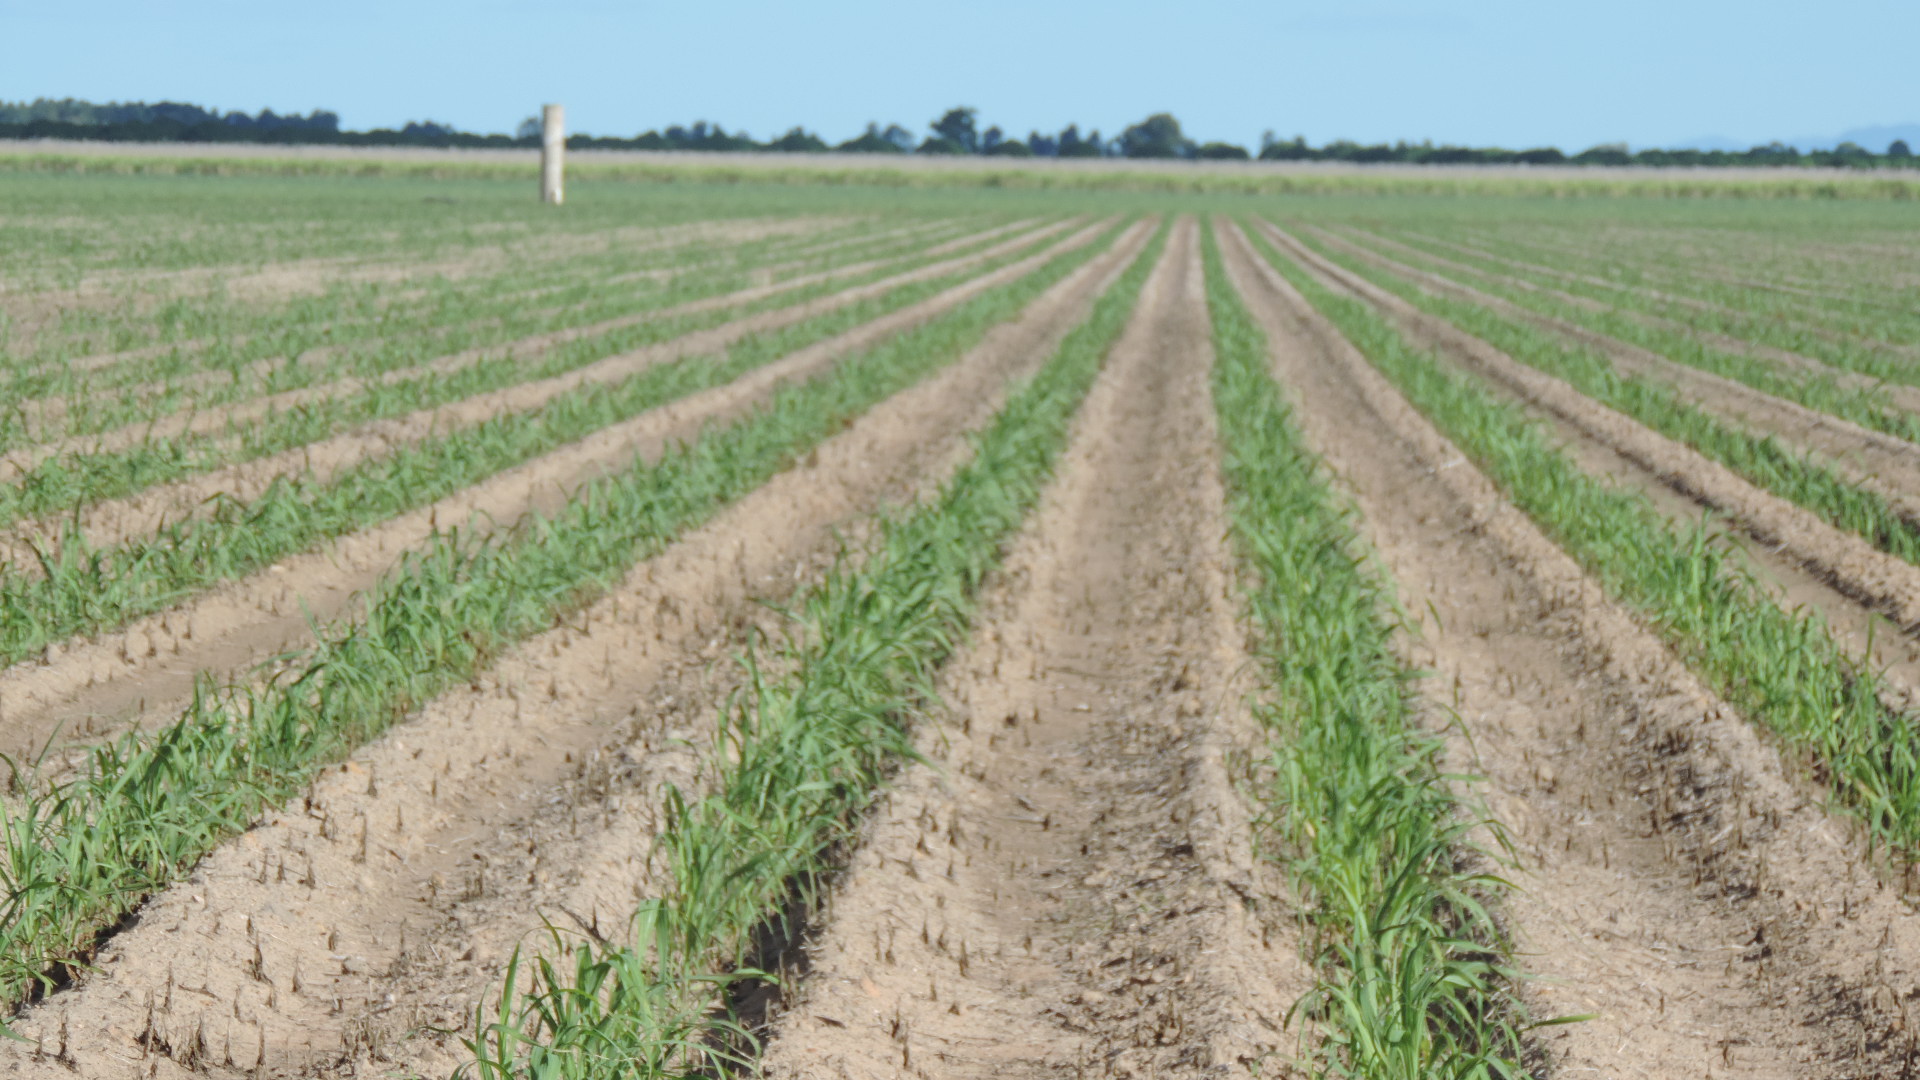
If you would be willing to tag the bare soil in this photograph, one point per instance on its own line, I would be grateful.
(1067, 887)
(48, 417)
(1863, 572)
(144, 673)
(325, 940)
(36, 313)
(1065, 883)
(222, 419)
(1907, 397)
(1674, 879)
(1871, 459)
(1706, 268)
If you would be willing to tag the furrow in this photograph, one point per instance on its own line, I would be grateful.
(146, 669)
(112, 522)
(938, 232)
(694, 232)
(1861, 573)
(47, 412)
(1674, 880)
(1907, 397)
(1064, 888)
(531, 794)
(221, 419)
(1705, 268)
(1872, 458)
(1897, 497)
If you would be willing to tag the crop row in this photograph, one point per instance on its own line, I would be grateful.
(81, 590)
(1795, 475)
(159, 331)
(215, 314)
(59, 484)
(1390, 865)
(1781, 668)
(1412, 974)
(1821, 327)
(146, 806)
(466, 323)
(808, 752)
(1837, 324)
(1865, 405)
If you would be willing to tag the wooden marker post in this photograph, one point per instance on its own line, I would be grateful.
(553, 152)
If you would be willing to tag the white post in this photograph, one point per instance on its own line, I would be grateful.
(553, 151)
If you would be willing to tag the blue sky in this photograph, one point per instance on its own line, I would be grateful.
(1509, 72)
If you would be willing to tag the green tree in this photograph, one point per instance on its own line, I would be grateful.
(1295, 150)
(798, 141)
(1604, 154)
(1158, 136)
(874, 141)
(957, 128)
(1073, 144)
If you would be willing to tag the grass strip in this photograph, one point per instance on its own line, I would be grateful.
(1413, 974)
(1779, 668)
(880, 174)
(1765, 461)
(82, 590)
(81, 852)
(805, 755)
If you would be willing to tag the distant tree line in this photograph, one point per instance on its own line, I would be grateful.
(72, 112)
(1897, 155)
(172, 121)
(956, 132)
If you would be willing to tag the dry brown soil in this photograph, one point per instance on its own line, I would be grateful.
(146, 671)
(1675, 880)
(390, 898)
(1064, 884)
(1066, 888)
